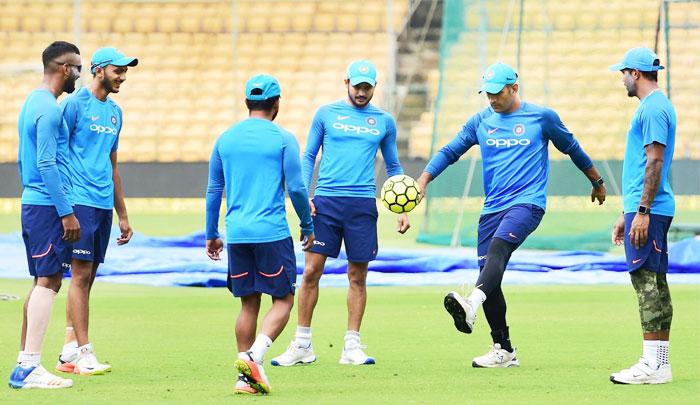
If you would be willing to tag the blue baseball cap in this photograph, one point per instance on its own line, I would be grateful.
(261, 87)
(362, 71)
(641, 58)
(110, 56)
(497, 76)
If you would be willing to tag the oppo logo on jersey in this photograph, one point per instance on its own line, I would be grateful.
(356, 129)
(507, 143)
(101, 129)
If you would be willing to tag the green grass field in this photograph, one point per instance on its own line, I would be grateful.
(177, 345)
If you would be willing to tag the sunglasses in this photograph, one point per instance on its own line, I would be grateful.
(79, 67)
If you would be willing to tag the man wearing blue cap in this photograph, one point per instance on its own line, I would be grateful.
(513, 137)
(94, 122)
(344, 206)
(648, 211)
(49, 225)
(252, 161)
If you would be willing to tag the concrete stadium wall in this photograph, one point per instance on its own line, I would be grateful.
(190, 179)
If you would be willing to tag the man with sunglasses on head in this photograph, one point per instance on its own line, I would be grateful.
(94, 122)
(49, 224)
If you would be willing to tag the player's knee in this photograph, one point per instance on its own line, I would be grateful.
(51, 282)
(500, 249)
(284, 303)
(312, 275)
(81, 279)
(358, 280)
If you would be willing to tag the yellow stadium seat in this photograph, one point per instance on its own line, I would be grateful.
(302, 23)
(145, 23)
(348, 22)
(256, 23)
(166, 23)
(324, 22)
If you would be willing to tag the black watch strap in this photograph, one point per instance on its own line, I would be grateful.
(597, 183)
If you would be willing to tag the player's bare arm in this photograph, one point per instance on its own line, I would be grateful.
(119, 205)
(403, 224)
(423, 181)
(618, 231)
(312, 206)
(652, 178)
(598, 191)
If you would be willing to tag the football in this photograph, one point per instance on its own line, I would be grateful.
(400, 194)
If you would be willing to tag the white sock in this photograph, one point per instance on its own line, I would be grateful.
(69, 349)
(649, 353)
(352, 339)
(85, 349)
(259, 348)
(476, 298)
(662, 353)
(27, 359)
(302, 337)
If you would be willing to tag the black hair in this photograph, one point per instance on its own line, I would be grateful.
(55, 50)
(261, 105)
(653, 76)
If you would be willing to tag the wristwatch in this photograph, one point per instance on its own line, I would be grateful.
(643, 210)
(597, 183)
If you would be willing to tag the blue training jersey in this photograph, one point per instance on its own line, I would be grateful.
(514, 153)
(43, 153)
(252, 161)
(653, 121)
(94, 128)
(350, 137)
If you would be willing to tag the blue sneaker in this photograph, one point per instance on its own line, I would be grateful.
(36, 377)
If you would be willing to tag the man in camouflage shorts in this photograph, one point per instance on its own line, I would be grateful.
(649, 206)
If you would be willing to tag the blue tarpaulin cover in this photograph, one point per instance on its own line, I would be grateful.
(181, 261)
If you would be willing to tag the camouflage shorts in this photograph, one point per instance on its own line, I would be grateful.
(655, 308)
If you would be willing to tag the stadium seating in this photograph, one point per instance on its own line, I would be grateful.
(195, 56)
(193, 64)
(566, 50)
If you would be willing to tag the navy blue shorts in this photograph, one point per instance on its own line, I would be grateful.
(652, 256)
(42, 231)
(95, 227)
(352, 220)
(268, 268)
(513, 225)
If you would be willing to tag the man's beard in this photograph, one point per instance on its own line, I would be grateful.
(107, 85)
(69, 85)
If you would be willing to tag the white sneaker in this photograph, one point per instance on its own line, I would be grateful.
(295, 354)
(255, 374)
(462, 313)
(36, 377)
(496, 358)
(642, 373)
(87, 364)
(355, 355)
